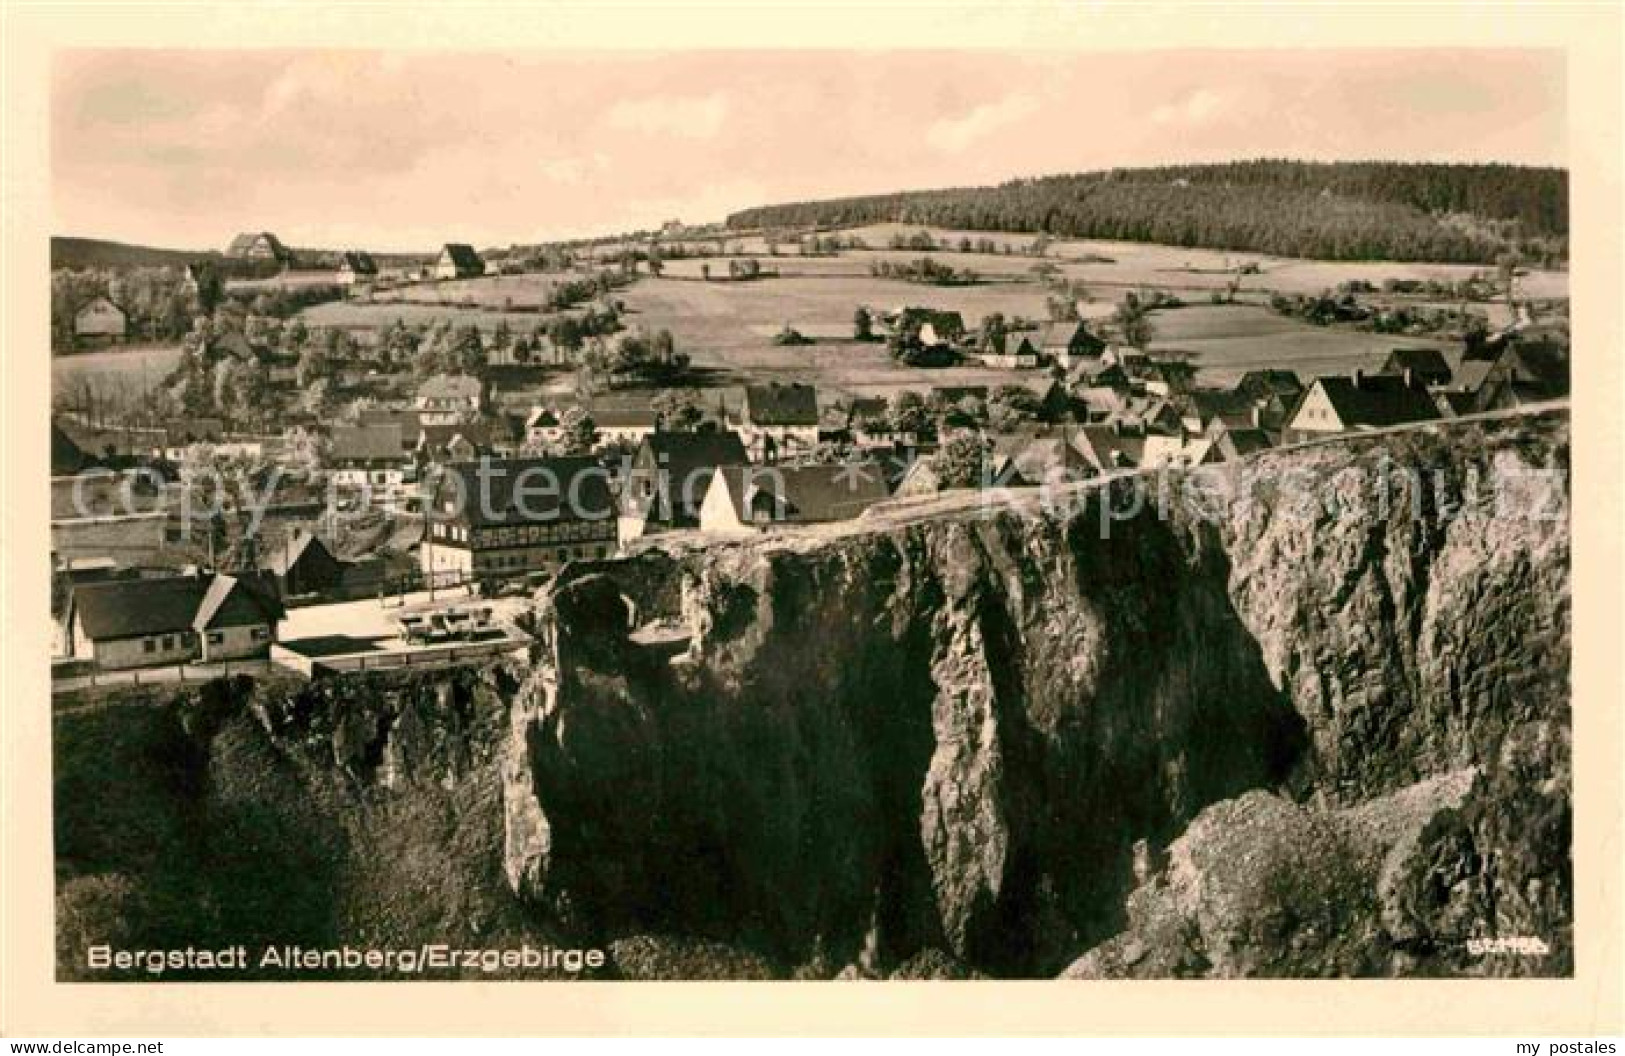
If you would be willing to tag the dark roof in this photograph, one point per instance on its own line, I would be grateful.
(293, 551)
(525, 490)
(688, 461)
(359, 262)
(1541, 368)
(1065, 335)
(682, 453)
(368, 443)
(462, 255)
(1377, 400)
(236, 601)
(244, 242)
(1040, 459)
(404, 417)
(1238, 443)
(776, 404)
(67, 457)
(807, 494)
(1110, 449)
(436, 437)
(1208, 404)
(133, 608)
(1428, 363)
(1261, 383)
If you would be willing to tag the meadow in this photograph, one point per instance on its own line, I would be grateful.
(1226, 341)
(127, 371)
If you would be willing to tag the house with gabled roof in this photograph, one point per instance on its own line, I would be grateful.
(1339, 404)
(754, 498)
(127, 623)
(496, 519)
(1012, 350)
(668, 478)
(356, 266)
(377, 458)
(778, 421)
(1426, 365)
(458, 260)
(446, 399)
(99, 319)
(260, 245)
(1069, 344)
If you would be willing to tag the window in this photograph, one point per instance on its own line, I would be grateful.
(169, 642)
(217, 637)
(260, 634)
(148, 645)
(564, 555)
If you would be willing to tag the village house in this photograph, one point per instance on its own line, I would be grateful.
(1427, 365)
(129, 623)
(180, 435)
(778, 422)
(373, 458)
(302, 567)
(447, 399)
(668, 478)
(1111, 448)
(497, 519)
(261, 245)
(1275, 393)
(1338, 404)
(457, 442)
(1232, 444)
(624, 425)
(1513, 371)
(544, 426)
(1069, 344)
(1014, 350)
(458, 260)
(302, 564)
(933, 326)
(1200, 408)
(1038, 459)
(357, 267)
(753, 498)
(99, 320)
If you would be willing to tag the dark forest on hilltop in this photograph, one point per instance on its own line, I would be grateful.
(1328, 210)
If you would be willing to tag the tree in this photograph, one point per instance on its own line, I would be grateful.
(314, 364)
(467, 351)
(578, 434)
(908, 413)
(1010, 407)
(959, 463)
(1133, 321)
(863, 324)
(679, 409)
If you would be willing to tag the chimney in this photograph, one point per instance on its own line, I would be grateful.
(1410, 378)
(1258, 415)
(1359, 378)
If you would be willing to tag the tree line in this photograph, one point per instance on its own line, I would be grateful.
(1335, 211)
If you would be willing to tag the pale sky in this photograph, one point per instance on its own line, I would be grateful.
(406, 150)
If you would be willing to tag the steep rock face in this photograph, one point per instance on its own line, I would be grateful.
(968, 732)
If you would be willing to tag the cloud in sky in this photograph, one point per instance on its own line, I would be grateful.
(690, 118)
(404, 150)
(955, 134)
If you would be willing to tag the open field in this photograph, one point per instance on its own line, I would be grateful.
(1229, 340)
(489, 291)
(128, 370)
(361, 314)
(1176, 267)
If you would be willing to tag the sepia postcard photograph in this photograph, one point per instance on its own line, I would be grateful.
(544, 514)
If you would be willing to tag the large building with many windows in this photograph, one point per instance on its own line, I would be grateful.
(494, 519)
